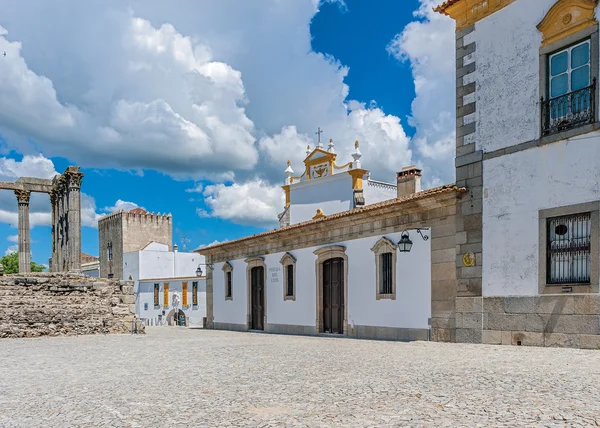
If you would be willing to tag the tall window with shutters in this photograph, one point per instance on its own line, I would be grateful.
(166, 294)
(184, 293)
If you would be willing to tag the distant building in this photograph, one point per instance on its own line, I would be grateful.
(127, 231)
(137, 246)
(90, 265)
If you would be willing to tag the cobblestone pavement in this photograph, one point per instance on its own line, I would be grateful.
(197, 378)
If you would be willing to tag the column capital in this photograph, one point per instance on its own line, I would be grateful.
(23, 196)
(73, 179)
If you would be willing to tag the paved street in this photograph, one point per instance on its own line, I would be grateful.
(181, 377)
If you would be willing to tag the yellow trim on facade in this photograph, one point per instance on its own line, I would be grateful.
(286, 189)
(357, 178)
(566, 18)
(342, 166)
(468, 12)
(328, 158)
(184, 293)
(166, 294)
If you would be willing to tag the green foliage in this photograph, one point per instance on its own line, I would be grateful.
(10, 263)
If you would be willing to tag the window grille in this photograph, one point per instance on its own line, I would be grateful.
(386, 273)
(290, 280)
(229, 291)
(568, 251)
(195, 293)
(110, 252)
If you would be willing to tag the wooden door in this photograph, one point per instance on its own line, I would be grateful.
(333, 296)
(257, 280)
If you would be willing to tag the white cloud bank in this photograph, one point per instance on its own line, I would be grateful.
(200, 92)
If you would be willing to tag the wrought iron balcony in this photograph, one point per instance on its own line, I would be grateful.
(569, 111)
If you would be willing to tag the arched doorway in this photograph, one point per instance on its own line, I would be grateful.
(177, 318)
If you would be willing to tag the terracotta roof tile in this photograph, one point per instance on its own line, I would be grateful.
(448, 188)
(442, 8)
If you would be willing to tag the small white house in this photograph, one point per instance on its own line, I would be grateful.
(172, 301)
(178, 278)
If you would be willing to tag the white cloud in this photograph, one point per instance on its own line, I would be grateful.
(198, 188)
(13, 238)
(215, 242)
(121, 206)
(428, 44)
(202, 213)
(11, 249)
(254, 202)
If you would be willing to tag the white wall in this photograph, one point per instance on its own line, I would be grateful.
(375, 192)
(332, 194)
(518, 186)
(145, 295)
(507, 75)
(131, 265)
(156, 246)
(411, 309)
(187, 263)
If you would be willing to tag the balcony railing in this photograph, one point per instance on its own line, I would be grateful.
(569, 111)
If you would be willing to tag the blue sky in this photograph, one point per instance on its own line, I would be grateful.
(195, 114)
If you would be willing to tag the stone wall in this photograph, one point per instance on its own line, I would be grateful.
(550, 320)
(52, 304)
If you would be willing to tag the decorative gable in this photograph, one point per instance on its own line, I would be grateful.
(567, 17)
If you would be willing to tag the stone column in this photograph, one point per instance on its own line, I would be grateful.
(74, 218)
(24, 241)
(52, 261)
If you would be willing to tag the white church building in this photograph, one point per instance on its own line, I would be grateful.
(352, 257)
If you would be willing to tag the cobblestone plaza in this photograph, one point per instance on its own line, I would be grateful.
(216, 378)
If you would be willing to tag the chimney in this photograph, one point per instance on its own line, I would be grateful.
(409, 181)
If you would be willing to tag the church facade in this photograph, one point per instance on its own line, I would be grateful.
(352, 257)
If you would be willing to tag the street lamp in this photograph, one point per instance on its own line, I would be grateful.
(199, 271)
(405, 244)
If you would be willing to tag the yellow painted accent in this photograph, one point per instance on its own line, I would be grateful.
(468, 12)
(565, 18)
(319, 214)
(327, 158)
(357, 178)
(286, 189)
(166, 294)
(342, 166)
(469, 260)
(184, 292)
(356, 144)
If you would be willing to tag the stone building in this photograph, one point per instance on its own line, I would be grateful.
(127, 231)
(528, 150)
(344, 261)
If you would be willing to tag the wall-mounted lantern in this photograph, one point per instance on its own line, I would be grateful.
(405, 244)
(199, 271)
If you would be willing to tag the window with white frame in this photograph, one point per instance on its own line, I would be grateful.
(569, 69)
(570, 89)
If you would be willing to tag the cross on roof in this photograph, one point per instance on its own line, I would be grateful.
(319, 132)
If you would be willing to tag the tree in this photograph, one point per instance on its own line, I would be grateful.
(10, 263)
